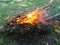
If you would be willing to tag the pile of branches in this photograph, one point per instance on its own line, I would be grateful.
(26, 30)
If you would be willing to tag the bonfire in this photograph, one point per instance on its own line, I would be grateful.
(31, 23)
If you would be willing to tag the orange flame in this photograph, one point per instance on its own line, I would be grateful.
(33, 17)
